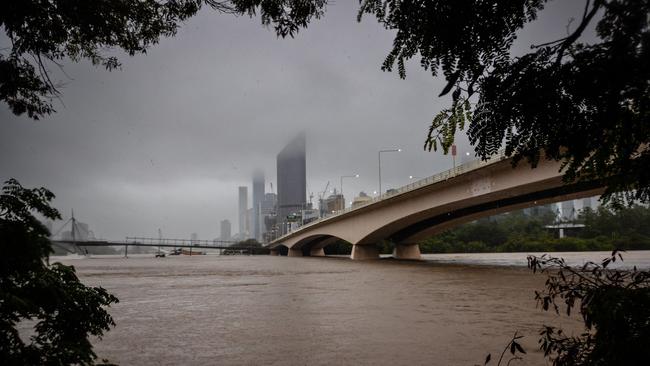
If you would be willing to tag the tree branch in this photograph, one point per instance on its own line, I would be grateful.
(586, 19)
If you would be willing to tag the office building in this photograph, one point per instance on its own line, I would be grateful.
(332, 204)
(243, 214)
(225, 229)
(258, 197)
(361, 200)
(292, 180)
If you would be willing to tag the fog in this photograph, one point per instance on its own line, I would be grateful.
(164, 142)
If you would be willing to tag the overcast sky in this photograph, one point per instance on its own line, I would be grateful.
(165, 142)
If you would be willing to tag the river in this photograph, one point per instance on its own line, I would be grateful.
(264, 310)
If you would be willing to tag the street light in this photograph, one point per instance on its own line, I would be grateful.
(413, 177)
(379, 159)
(346, 176)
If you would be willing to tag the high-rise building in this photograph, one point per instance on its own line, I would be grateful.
(225, 228)
(243, 208)
(268, 215)
(258, 198)
(292, 178)
(567, 210)
(332, 204)
(361, 200)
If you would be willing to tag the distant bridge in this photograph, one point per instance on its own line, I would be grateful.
(157, 242)
(431, 205)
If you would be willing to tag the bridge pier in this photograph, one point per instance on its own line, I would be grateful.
(274, 252)
(407, 251)
(360, 252)
(294, 252)
(317, 252)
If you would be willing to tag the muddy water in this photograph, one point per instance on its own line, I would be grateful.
(263, 310)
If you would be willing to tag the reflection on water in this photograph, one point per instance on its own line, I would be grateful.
(264, 310)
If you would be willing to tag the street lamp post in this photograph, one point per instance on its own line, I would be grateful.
(346, 176)
(379, 159)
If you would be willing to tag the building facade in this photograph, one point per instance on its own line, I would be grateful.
(258, 198)
(225, 230)
(292, 179)
(243, 212)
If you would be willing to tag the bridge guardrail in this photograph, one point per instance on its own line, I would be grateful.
(438, 177)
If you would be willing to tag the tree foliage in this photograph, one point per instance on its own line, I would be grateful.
(43, 33)
(63, 311)
(605, 229)
(584, 104)
(613, 304)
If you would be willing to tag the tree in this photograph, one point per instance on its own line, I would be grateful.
(64, 311)
(587, 105)
(614, 306)
(44, 32)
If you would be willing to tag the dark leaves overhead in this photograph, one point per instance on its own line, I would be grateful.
(457, 36)
(584, 104)
(43, 32)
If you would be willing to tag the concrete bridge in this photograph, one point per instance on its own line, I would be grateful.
(434, 204)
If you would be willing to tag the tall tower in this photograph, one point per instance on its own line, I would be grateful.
(225, 230)
(258, 197)
(292, 179)
(243, 208)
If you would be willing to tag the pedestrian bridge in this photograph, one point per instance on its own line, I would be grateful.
(431, 205)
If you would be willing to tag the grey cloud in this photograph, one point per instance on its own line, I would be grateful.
(166, 141)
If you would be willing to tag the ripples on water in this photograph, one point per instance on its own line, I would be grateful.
(263, 310)
(640, 258)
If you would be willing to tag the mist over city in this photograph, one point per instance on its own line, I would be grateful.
(164, 142)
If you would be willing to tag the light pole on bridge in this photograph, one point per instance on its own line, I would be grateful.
(379, 159)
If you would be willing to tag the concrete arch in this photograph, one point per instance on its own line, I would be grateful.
(422, 210)
(422, 225)
(281, 250)
(312, 245)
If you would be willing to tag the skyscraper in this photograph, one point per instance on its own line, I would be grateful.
(225, 227)
(243, 208)
(258, 197)
(292, 180)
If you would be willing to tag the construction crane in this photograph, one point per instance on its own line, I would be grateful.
(320, 196)
(320, 199)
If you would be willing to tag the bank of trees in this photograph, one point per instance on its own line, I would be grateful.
(605, 229)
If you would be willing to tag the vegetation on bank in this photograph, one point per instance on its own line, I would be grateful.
(604, 229)
(613, 304)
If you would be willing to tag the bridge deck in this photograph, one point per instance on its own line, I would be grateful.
(425, 182)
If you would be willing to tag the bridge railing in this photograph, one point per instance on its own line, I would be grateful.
(436, 178)
(179, 242)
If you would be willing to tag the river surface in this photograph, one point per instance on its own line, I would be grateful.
(264, 310)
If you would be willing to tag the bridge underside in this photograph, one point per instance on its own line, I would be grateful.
(408, 218)
(406, 233)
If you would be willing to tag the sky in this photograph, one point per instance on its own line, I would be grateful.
(164, 142)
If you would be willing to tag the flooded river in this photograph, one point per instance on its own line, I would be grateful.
(264, 310)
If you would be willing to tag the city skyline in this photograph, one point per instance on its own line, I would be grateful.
(216, 102)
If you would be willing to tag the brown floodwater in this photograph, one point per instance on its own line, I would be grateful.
(263, 310)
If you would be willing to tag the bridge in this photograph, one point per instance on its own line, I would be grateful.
(156, 242)
(431, 205)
